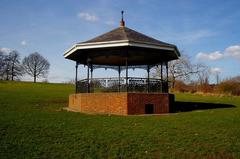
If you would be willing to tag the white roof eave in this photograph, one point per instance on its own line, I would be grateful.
(84, 46)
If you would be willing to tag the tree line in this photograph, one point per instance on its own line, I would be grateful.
(185, 76)
(12, 68)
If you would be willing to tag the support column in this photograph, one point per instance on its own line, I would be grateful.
(167, 76)
(88, 86)
(91, 70)
(161, 73)
(91, 81)
(119, 78)
(148, 84)
(161, 77)
(76, 77)
(126, 75)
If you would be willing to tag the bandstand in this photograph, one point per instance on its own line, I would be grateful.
(122, 49)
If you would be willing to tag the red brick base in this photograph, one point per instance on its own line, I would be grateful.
(121, 103)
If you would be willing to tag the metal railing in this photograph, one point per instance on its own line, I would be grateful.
(131, 84)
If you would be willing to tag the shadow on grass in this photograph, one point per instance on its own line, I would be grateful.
(190, 106)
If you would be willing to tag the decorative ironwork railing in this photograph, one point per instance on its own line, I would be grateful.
(131, 84)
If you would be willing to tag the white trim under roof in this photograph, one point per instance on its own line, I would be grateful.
(108, 44)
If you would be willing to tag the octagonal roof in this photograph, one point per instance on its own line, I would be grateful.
(116, 43)
(125, 33)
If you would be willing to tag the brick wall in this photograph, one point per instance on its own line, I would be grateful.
(107, 103)
(137, 102)
(119, 103)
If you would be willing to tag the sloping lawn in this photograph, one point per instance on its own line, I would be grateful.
(33, 125)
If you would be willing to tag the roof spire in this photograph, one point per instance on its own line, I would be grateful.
(122, 23)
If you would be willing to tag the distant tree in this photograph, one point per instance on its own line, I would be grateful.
(10, 65)
(203, 77)
(203, 82)
(1, 59)
(183, 69)
(235, 79)
(230, 86)
(15, 65)
(217, 77)
(35, 65)
(5, 67)
(2, 64)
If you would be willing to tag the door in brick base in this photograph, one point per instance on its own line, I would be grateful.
(149, 109)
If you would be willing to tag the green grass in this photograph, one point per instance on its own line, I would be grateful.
(33, 125)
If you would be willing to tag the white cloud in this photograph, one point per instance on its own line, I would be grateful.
(210, 56)
(233, 51)
(5, 50)
(215, 70)
(23, 43)
(87, 16)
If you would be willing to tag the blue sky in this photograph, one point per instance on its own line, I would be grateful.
(207, 31)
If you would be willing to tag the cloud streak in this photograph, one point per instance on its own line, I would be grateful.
(215, 70)
(87, 17)
(188, 37)
(197, 35)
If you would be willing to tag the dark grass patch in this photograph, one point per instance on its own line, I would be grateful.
(190, 106)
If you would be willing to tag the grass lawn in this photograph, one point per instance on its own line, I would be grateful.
(33, 125)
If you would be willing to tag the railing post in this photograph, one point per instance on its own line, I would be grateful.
(126, 75)
(91, 81)
(167, 76)
(88, 86)
(148, 84)
(76, 78)
(91, 68)
(161, 77)
(119, 78)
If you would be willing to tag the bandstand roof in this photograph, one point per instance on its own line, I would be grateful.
(112, 48)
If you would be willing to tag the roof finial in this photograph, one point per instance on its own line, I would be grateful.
(122, 23)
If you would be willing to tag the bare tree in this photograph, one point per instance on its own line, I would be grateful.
(235, 79)
(5, 67)
(203, 77)
(1, 59)
(217, 77)
(35, 65)
(15, 66)
(179, 69)
(183, 69)
(10, 65)
(2, 64)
